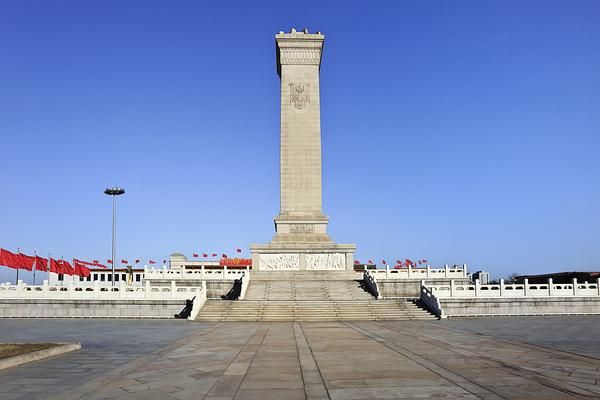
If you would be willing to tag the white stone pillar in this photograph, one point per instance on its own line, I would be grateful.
(501, 287)
(446, 272)
(598, 286)
(451, 287)
(202, 272)
(574, 286)
(464, 270)
(476, 286)
(550, 288)
(409, 270)
(428, 271)
(173, 289)
(387, 271)
(525, 284)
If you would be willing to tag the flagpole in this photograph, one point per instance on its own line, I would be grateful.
(17, 280)
(34, 266)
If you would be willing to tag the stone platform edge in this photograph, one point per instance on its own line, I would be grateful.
(37, 355)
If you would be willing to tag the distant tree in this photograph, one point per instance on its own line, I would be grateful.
(511, 277)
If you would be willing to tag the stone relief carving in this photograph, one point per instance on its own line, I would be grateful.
(279, 261)
(301, 228)
(299, 94)
(326, 261)
(300, 56)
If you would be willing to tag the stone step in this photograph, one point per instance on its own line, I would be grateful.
(346, 310)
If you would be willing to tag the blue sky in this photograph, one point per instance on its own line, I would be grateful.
(460, 132)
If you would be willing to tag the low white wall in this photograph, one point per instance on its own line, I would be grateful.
(121, 301)
(69, 308)
(454, 307)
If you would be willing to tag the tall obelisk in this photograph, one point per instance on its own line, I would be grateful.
(301, 240)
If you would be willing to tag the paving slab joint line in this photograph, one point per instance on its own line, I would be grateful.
(436, 369)
(265, 333)
(303, 336)
(555, 384)
(101, 381)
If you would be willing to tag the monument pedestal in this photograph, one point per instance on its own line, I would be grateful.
(302, 256)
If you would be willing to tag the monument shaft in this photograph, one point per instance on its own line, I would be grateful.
(299, 61)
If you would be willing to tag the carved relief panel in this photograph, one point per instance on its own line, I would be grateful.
(279, 261)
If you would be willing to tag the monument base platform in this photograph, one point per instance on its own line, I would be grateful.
(302, 256)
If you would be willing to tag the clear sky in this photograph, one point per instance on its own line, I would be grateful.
(459, 132)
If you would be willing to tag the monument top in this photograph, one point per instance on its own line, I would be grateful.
(299, 48)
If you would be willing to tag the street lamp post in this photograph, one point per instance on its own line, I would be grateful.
(114, 192)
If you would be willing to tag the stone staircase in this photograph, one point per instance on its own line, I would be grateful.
(306, 296)
(312, 310)
(301, 290)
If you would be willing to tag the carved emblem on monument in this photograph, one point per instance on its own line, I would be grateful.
(301, 228)
(299, 95)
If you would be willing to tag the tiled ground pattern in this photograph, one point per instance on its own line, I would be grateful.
(312, 360)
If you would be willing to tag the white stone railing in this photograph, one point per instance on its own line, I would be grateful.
(200, 274)
(431, 301)
(97, 292)
(525, 289)
(371, 284)
(245, 279)
(420, 273)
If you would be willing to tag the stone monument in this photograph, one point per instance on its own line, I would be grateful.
(301, 241)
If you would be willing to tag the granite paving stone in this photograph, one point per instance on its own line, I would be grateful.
(488, 359)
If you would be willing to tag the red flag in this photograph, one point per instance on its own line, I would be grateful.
(195, 255)
(224, 255)
(370, 262)
(124, 262)
(425, 261)
(41, 264)
(356, 262)
(408, 262)
(80, 269)
(164, 261)
(383, 262)
(204, 255)
(109, 261)
(137, 261)
(16, 261)
(67, 268)
(419, 262)
(96, 262)
(56, 266)
(398, 262)
(239, 250)
(151, 262)
(214, 254)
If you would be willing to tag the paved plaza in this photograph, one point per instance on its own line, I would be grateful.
(528, 358)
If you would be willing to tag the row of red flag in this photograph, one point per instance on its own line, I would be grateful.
(78, 267)
(23, 261)
(399, 263)
(205, 255)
